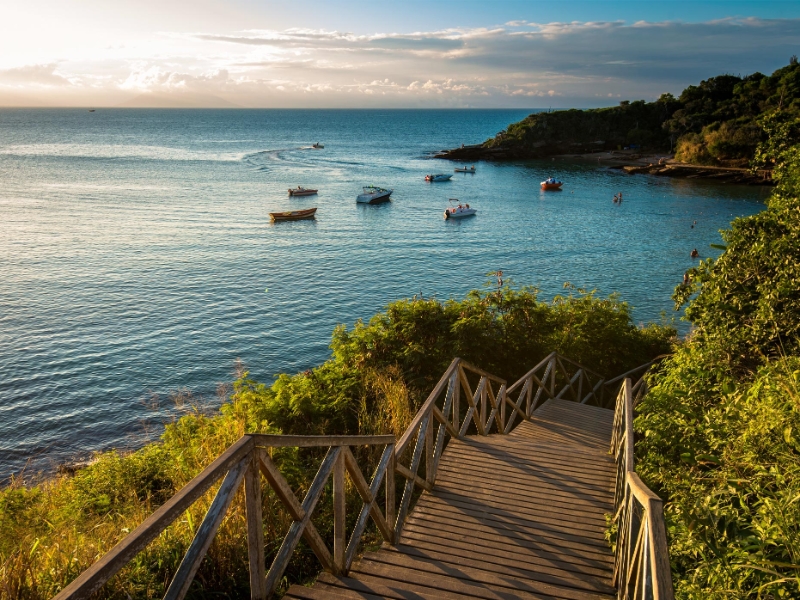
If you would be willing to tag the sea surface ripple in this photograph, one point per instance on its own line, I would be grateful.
(139, 261)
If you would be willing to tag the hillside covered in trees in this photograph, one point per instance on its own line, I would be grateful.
(717, 122)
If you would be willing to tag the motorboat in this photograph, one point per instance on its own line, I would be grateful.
(466, 169)
(552, 184)
(317, 146)
(374, 195)
(458, 212)
(437, 177)
(301, 191)
(293, 215)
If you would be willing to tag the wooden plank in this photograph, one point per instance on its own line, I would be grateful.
(545, 490)
(109, 564)
(522, 515)
(339, 509)
(408, 435)
(444, 427)
(466, 559)
(545, 460)
(602, 482)
(255, 529)
(263, 440)
(481, 372)
(369, 495)
(405, 472)
(551, 549)
(575, 551)
(285, 494)
(544, 526)
(408, 489)
(569, 503)
(441, 571)
(494, 555)
(296, 530)
(544, 481)
(534, 451)
(539, 365)
(206, 532)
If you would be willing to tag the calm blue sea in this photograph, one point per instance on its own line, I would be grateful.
(138, 259)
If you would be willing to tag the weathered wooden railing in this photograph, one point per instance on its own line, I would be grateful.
(641, 565)
(490, 408)
(247, 460)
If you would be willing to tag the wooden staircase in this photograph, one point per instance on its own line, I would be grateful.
(511, 516)
(517, 486)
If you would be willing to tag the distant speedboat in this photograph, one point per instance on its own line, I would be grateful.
(437, 177)
(552, 184)
(466, 170)
(301, 191)
(458, 212)
(91, 110)
(294, 215)
(374, 195)
(318, 146)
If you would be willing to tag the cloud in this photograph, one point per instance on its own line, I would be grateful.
(33, 75)
(566, 63)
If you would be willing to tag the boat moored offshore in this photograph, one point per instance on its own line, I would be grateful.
(552, 183)
(437, 177)
(373, 195)
(301, 191)
(458, 212)
(465, 169)
(293, 215)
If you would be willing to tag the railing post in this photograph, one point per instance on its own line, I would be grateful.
(339, 507)
(390, 496)
(255, 529)
(456, 401)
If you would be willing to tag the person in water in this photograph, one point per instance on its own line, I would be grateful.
(695, 253)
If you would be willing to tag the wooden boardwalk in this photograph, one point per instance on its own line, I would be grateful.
(510, 516)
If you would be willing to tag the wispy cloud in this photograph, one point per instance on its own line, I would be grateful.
(564, 63)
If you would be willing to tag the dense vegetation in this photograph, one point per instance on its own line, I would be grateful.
(378, 375)
(718, 122)
(720, 428)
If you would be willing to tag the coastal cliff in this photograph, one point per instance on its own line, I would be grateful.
(718, 123)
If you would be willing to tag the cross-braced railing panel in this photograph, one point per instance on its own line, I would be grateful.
(641, 565)
(465, 400)
(244, 463)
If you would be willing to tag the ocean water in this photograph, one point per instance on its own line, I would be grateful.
(139, 261)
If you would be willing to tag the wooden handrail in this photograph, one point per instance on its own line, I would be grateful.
(641, 562)
(110, 563)
(489, 410)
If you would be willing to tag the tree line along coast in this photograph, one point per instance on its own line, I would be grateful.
(711, 130)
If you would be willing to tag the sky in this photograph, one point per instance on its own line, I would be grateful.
(379, 54)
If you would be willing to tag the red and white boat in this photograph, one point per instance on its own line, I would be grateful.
(301, 191)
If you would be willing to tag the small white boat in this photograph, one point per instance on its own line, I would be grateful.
(373, 195)
(437, 177)
(317, 146)
(458, 212)
(466, 169)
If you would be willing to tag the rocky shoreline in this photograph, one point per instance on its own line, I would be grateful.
(632, 162)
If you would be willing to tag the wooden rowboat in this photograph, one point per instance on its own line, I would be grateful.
(293, 215)
(301, 191)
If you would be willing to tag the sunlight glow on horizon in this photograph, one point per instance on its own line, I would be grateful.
(242, 54)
